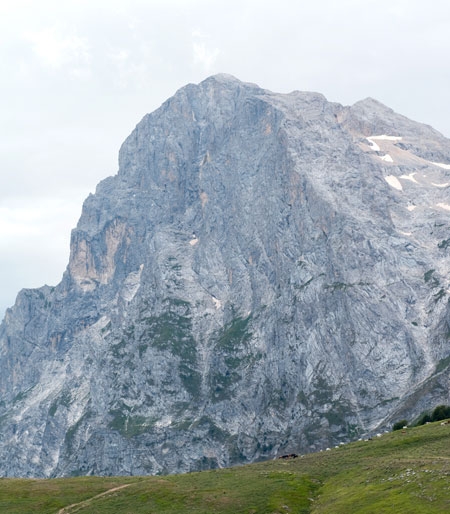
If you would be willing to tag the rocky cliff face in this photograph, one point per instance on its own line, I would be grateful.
(266, 273)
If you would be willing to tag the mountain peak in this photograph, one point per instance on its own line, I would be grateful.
(222, 77)
(225, 79)
(261, 277)
(371, 103)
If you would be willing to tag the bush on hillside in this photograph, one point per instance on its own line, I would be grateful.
(423, 419)
(400, 424)
(441, 412)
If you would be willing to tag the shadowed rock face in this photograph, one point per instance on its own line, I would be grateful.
(265, 274)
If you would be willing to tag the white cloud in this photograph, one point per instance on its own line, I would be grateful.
(198, 34)
(25, 218)
(19, 223)
(55, 50)
(80, 73)
(204, 56)
(34, 243)
(130, 73)
(120, 56)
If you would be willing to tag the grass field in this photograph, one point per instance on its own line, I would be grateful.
(401, 472)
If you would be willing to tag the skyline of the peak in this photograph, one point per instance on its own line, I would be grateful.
(78, 76)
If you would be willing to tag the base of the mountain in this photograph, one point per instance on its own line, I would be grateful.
(406, 471)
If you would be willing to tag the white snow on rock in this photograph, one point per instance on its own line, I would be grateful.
(165, 421)
(409, 177)
(442, 165)
(441, 185)
(387, 158)
(373, 145)
(387, 138)
(444, 206)
(411, 207)
(131, 284)
(393, 182)
(217, 303)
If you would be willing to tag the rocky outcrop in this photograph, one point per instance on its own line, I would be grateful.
(265, 274)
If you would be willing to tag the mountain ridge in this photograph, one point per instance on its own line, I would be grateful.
(265, 273)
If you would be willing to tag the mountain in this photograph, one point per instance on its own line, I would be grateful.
(267, 273)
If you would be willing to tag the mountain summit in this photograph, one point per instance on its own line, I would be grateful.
(266, 273)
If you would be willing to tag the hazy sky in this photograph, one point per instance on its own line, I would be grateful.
(76, 76)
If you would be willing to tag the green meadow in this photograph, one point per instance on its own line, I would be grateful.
(400, 472)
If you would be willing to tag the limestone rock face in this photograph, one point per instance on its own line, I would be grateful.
(266, 273)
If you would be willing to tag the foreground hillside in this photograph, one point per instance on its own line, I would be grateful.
(402, 472)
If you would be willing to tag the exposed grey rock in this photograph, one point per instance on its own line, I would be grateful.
(264, 274)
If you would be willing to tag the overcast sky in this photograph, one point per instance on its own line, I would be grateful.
(76, 77)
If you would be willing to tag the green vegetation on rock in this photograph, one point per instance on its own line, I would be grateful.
(231, 343)
(400, 424)
(444, 244)
(427, 276)
(439, 413)
(172, 331)
(443, 364)
(234, 334)
(130, 426)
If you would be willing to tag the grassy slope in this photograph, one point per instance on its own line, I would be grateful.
(398, 472)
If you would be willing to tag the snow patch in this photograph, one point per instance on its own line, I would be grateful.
(373, 145)
(165, 421)
(444, 206)
(101, 323)
(217, 303)
(409, 177)
(393, 182)
(131, 284)
(387, 158)
(442, 165)
(384, 137)
(411, 207)
(405, 233)
(441, 185)
(194, 240)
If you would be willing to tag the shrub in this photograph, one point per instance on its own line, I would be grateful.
(423, 419)
(441, 412)
(400, 424)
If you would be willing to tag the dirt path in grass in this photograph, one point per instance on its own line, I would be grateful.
(71, 509)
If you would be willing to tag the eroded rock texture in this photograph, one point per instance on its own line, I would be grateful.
(266, 273)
